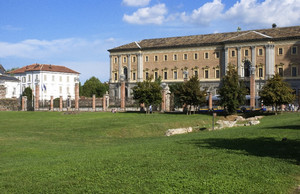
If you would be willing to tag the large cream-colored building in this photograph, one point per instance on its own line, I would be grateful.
(270, 51)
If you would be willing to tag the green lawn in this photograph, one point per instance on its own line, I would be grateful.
(51, 152)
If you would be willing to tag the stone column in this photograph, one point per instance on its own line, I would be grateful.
(120, 66)
(253, 56)
(76, 96)
(140, 67)
(270, 61)
(24, 103)
(122, 94)
(252, 87)
(51, 103)
(60, 103)
(239, 61)
(225, 61)
(129, 68)
(94, 102)
(37, 97)
(111, 68)
(210, 101)
(104, 103)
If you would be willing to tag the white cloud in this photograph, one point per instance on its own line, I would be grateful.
(204, 14)
(283, 13)
(148, 15)
(10, 28)
(136, 3)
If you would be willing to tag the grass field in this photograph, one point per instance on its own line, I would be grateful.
(51, 152)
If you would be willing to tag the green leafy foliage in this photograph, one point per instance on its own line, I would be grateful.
(232, 91)
(148, 92)
(276, 92)
(93, 86)
(27, 92)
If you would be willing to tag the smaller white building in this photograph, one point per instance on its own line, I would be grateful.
(53, 80)
(9, 86)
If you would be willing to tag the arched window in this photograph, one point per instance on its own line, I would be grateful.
(125, 73)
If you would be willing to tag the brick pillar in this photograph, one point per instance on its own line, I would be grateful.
(37, 97)
(210, 101)
(104, 102)
(51, 103)
(122, 95)
(60, 103)
(24, 103)
(252, 90)
(94, 102)
(76, 96)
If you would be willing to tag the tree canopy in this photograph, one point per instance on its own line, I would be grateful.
(276, 92)
(27, 92)
(232, 91)
(189, 92)
(148, 92)
(93, 86)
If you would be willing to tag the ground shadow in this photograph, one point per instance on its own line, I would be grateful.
(262, 147)
(293, 127)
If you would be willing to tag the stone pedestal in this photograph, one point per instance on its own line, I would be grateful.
(94, 102)
(122, 95)
(252, 91)
(24, 103)
(60, 103)
(51, 103)
(76, 96)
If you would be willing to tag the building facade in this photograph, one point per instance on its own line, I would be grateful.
(270, 51)
(52, 80)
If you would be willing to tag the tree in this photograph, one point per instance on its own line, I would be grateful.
(27, 92)
(148, 92)
(276, 92)
(189, 93)
(232, 91)
(94, 86)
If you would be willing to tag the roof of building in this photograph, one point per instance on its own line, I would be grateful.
(43, 67)
(2, 70)
(271, 34)
(8, 78)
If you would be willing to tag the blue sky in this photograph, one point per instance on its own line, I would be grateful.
(78, 33)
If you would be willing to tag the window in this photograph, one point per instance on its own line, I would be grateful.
(60, 89)
(68, 78)
(246, 53)
(217, 73)
(60, 78)
(124, 59)
(29, 78)
(68, 90)
(165, 57)
(280, 71)
(185, 75)
(294, 71)
(53, 78)
(196, 56)
(294, 50)
(233, 53)
(36, 77)
(260, 52)
(23, 79)
(260, 72)
(146, 58)
(116, 60)
(206, 74)
(155, 58)
(175, 57)
(165, 75)
(217, 54)
(116, 76)
(280, 51)
(147, 75)
(175, 74)
(133, 59)
(133, 75)
(196, 73)
(185, 56)
(206, 55)
(156, 75)
(45, 77)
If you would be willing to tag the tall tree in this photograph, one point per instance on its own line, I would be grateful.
(27, 92)
(94, 86)
(148, 92)
(232, 91)
(276, 92)
(189, 93)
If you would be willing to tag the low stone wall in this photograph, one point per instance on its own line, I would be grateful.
(2, 92)
(10, 104)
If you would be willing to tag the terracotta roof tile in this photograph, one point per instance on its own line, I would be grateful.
(213, 39)
(43, 67)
